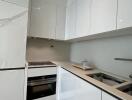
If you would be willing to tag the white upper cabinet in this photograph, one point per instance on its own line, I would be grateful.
(43, 18)
(124, 14)
(47, 19)
(61, 19)
(83, 17)
(106, 96)
(103, 16)
(71, 87)
(71, 13)
(78, 18)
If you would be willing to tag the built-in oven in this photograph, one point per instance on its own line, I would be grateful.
(41, 86)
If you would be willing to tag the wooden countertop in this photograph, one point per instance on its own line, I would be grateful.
(83, 74)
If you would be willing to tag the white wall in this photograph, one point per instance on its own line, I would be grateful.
(40, 50)
(101, 53)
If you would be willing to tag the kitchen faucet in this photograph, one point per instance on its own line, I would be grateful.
(130, 76)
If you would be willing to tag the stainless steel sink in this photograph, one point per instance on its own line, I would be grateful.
(126, 89)
(107, 79)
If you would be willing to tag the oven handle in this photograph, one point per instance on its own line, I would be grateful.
(45, 82)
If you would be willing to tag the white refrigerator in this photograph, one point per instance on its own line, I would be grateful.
(13, 35)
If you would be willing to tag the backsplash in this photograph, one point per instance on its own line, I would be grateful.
(43, 50)
(101, 53)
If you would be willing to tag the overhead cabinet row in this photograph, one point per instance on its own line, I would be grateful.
(88, 17)
(69, 19)
(47, 19)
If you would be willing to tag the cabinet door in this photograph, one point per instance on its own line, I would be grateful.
(12, 85)
(23, 3)
(83, 17)
(103, 16)
(106, 96)
(41, 71)
(124, 14)
(71, 87)
(43, 18)
(61, 19)
(71, 19)
(13, 35)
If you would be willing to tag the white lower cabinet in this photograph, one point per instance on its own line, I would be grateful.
(12, 85)
(106, 96)
(71, 87)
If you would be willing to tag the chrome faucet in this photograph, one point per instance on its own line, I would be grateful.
(130, 76)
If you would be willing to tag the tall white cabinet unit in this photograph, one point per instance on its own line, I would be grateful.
(13, 33)
(47, 19)
(23, 3)
(124, 14)
(12, 85)
(71, 87)
(103, 17)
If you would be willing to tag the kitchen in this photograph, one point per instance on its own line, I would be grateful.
(65, 50)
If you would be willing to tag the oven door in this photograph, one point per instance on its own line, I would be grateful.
(40, 87)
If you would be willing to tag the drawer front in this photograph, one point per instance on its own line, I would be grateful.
(41, 71)
(53, 97)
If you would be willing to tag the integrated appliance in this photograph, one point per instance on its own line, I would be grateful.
(42, 81)
(41, 86)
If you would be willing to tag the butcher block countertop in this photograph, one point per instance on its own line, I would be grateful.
(107, 88)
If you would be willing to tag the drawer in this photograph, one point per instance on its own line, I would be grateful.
(53, 97)
(41, 71)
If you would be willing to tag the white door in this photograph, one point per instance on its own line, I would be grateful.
(12, 85)
(43, 18)
(71, 19)
(124, 14)
(13, 35)
(83, 17)
(103, 17)
(71, 87)
(106, 96)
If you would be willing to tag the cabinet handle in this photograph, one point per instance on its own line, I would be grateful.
(123, 59)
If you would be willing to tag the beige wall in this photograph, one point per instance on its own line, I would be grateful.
(101, 53)
(41, 50)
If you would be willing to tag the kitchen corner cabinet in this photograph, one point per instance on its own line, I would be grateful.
(124, 18)
(106, 96)
(12, 85)
(103, 17)
(71, 87)
(47, 19)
